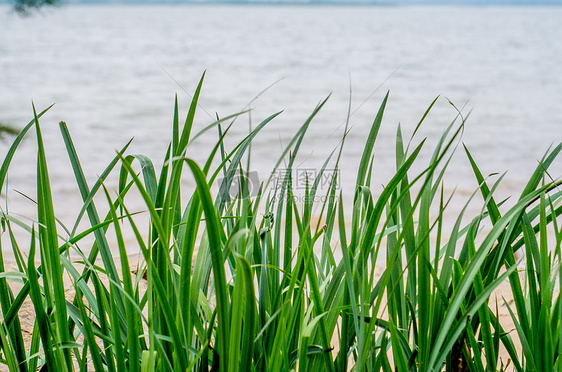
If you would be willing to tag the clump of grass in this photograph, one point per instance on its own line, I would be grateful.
(251, 283)
(7, 130)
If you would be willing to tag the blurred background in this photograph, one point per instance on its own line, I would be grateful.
(112, 71)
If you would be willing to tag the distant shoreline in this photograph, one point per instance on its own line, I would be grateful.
(382, 3)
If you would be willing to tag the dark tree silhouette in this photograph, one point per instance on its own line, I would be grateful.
(26, 7)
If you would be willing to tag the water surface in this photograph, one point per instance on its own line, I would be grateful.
(113, 72)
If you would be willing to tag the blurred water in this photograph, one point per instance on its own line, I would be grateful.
(113, 72)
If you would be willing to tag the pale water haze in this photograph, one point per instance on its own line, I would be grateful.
(113, 72)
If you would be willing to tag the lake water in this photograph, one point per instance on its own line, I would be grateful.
(113, 72)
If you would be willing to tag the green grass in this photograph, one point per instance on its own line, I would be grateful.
(254, 283)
